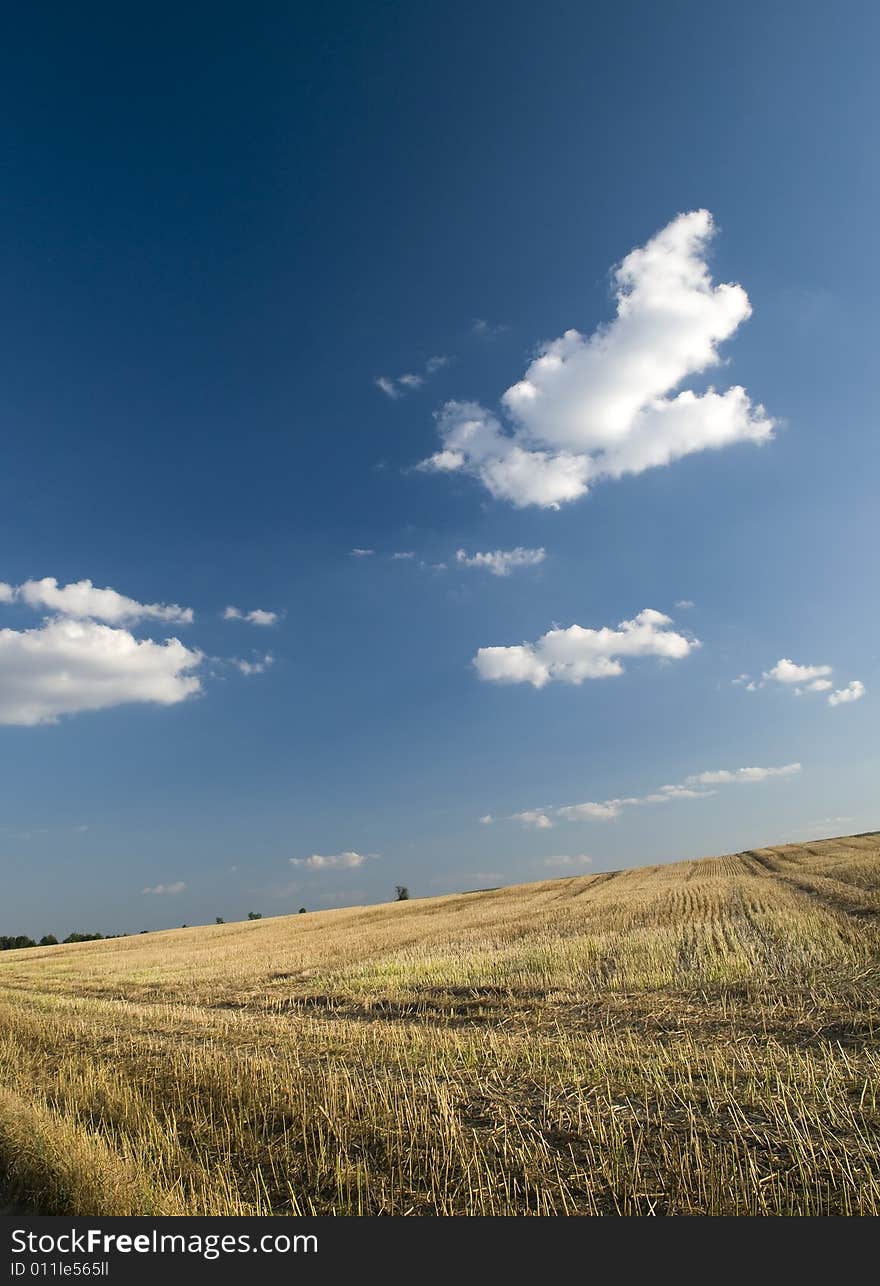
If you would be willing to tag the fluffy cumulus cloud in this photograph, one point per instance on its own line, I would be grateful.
(84, 655)
(256, 616)
(853, 691)
(698, 786)
(574, 654)
(162, 889)
(600, 406)
(805, 678)
(83, 599)
(324, 862)
(813, 677)
(501, 562)
(67, 665)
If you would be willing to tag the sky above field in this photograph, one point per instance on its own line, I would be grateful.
(440, 447)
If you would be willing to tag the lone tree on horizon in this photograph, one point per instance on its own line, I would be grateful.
(402, 893)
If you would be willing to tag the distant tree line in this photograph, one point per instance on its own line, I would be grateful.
(8, 943)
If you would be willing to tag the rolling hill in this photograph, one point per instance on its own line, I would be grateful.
(692, 1038)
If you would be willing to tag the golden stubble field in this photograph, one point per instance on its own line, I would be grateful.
(697, 1038)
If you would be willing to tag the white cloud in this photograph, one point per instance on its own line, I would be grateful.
(810, 678)
(403, 555)
(788, 672)
(254, 667)
(563, 860)
(160, 889)
(574, 654)
(487, 820)
(694, 787)
(396, 386)
(484, 329)
(685, 604)
(534, 819)
(601, 406)
(67, 666)
(473, 441)
(853, 691)
(500, 562)
(256, 616)
(82, 599)
(724, 776)
(604, 812)
(321, 862)
(667, 793)
(362, 553)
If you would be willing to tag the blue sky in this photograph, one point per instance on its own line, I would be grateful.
(217, 237)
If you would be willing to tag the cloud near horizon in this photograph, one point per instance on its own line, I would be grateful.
(593, 407)
(160, 889)
(697, 786)
(322, 862)
(574, 654)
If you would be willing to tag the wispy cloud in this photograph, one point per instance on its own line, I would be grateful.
(397, 386)
(258, 666)
(700, 785)
(486, 330)
(533, 818)
(256, 616)
(724, 776)
(162, 889)
(325, 862)
(362, 553)
(501, 562)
